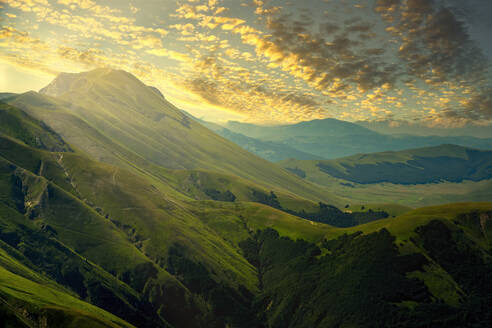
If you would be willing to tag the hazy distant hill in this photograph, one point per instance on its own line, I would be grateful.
(315, 128)
(402, 127)
(413, 177)
(330, 138)
(269, 150)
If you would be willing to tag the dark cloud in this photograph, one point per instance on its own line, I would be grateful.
(477, 107)
(361, 27)
(301, 100)
(328, 28)
(206, 89)
(329, 57)
(436, 47)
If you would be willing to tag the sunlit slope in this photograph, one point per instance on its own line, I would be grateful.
(132, 115)
(29, 299)
(16, 123)
(147, 244)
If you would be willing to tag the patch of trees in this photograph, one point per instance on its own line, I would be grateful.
(419, 170)
(466, 263)
(226, 196)
(230, 307)
(361, 281)
(267, 199)
(297, 171)
(325, 214)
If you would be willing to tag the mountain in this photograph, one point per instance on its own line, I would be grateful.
(414, 177)
(331, 138)
(315, 128)
(115, 118)
(96, 232)
(270, 150)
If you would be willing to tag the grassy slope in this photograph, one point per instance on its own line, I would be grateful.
(391, 208)
(87, 233)
(403, 226)
(195, 183)
(31, 299)
(409, 195)
(18, 124)
(134, 117)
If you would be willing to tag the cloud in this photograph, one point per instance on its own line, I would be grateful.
(396, 59)
(436, 48)
(170, 54)
(332, 65)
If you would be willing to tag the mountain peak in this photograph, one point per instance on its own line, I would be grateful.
(69, 82)
(105, 85)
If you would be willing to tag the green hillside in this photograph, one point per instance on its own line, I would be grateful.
(115, 118)
(95, 233)
(416, 166)
(416, 177)
(28, 299)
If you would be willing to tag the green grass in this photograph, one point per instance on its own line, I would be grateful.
(408, 195)
(234, 221)
(403, 226)
(391, 208)
(16, 123)
(36, 296)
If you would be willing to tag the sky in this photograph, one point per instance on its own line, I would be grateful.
(268, 61)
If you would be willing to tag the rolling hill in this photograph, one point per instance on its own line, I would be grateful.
(272, 151)
(415, 177)
(415, 166)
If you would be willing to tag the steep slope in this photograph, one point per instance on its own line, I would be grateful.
(68, 238)
(18, 124)
(330, 138)
(115, 118)
(28, 299)
(427, 267)
(125, 225)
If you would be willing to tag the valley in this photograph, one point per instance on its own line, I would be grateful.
(117, 209)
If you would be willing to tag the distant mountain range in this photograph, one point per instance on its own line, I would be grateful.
(329, 139)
